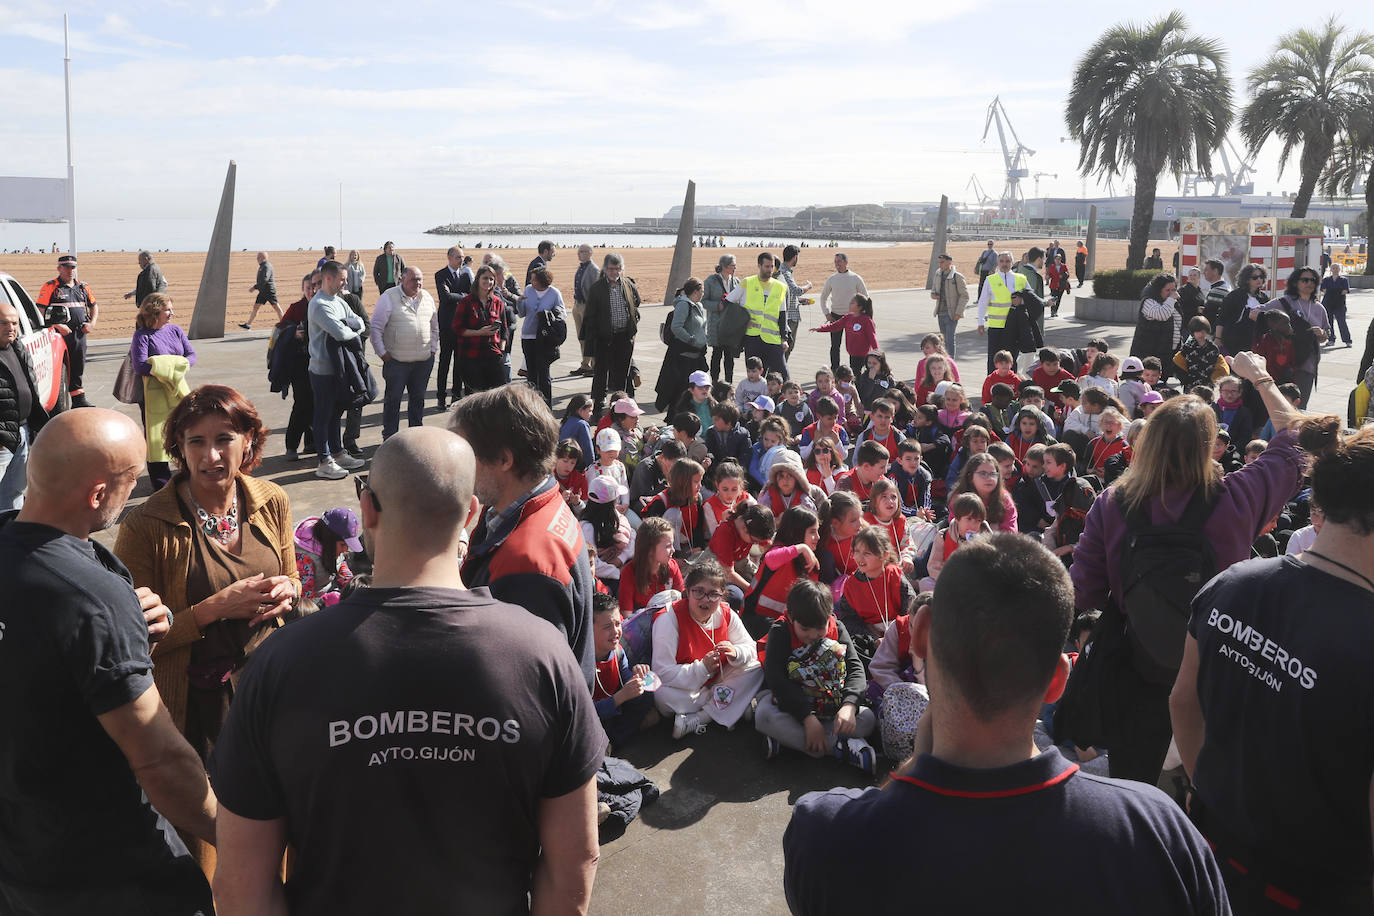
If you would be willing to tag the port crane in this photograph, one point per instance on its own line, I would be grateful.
(1013, 201)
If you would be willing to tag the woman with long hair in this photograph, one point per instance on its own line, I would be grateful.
(1172, 475)
(981, 475)
(480, 323)
(717, 286)
(1309, 322)
(1235, 326)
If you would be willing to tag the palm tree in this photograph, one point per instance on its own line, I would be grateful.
(1149, 97)
(1306, 92)
(1354, 159)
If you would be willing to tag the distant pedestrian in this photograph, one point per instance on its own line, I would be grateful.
(1334, 290)
(328, 317)
(541, 298)
(587, 274)
(451, 284)
(612, 320)
(266, 288)
(542, 259)
(386, 270)
(951, 299)
(163, 379)
(1080, 263)
(405, 334)
(716, 287)
(790, 256)
(840, 289)
(356, 274)
(150, 279)
(986, 264)
(328, 256)
(1155, 261)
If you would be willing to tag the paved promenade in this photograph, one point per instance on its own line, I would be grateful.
(712, 843)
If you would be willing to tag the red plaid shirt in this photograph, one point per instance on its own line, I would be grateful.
(472, 315)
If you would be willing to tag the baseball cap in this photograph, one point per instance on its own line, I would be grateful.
(608, 440)
(603, 489)
(699, 378)
(763, 402)
(1067, 387)
(944, 257)
(345, 524)
(67, 260)
(628, 407)
(1132, 364)
(1152, 397)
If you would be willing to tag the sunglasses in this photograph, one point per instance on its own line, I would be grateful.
(360, 484)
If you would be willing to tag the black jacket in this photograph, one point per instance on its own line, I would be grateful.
(1238, 332)
(9, 401)
(352, 377)
(451, 289)
(596, 323)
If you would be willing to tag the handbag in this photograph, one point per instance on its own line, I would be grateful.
(128, 387)
(552, 332)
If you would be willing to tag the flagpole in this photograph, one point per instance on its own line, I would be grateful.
(71, 171)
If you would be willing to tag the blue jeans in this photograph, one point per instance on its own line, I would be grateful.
(1337, 316)
(14, 466)
(948, 327)
(401, 378)
(328, 410)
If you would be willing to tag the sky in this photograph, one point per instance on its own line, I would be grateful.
(525, 111)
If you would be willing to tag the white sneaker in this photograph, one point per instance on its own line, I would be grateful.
(348, 462)
(688, 722)
(329, 470)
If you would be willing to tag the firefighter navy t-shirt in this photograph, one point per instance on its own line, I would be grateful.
(1284, 656)
(407, 736)
(949, 839)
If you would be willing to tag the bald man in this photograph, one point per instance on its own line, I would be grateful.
(21, 409)
(91, 767)
(439, 736)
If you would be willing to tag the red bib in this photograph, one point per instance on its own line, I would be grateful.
(694, 641)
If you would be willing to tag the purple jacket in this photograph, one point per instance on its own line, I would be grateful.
(1248, 500)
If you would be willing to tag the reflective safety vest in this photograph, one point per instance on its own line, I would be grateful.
(999, 305)
(765, 315)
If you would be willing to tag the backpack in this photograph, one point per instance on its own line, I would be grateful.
(1163, 567)
(1088, 707)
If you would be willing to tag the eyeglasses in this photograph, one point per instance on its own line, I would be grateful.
(702, 594)
(360, 484)
(987, 475)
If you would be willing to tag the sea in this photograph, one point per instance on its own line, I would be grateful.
(113, 234)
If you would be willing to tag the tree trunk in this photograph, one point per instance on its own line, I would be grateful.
(1314, 160)
(1368, 221)
(1309, 184)
(1146, 181)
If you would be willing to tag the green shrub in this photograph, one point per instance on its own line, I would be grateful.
(1121, 284)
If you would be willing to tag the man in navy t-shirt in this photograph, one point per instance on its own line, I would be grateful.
(978, 818)
(424, 747)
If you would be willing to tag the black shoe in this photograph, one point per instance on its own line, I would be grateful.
(355, 452)
(1054, 313)
(79, 400)
(439, 403)
(245, 325)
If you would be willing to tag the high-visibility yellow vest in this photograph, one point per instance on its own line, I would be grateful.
(764, 316)
(999, 304)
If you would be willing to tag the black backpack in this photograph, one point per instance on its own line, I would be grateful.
(1163, 567)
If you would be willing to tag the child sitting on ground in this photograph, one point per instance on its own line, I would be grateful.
(792, 557)
(885, 512)
(788, 486)
(1232, 414)
(618, 691)
(753, 385)
(729, 481)
(1000, 411)
(651, 474)
(1103, 375)
(1049, 373)
(1068, 500)
(1108, 443)
(652, 567)
(774, 380)
(704, 656)
(1031, 506)
(1132, 387)
(871, 462)
(606, 531)
(1199, 360)
(1003, 372)
(1277, 347)
(727, 440)
(825, 466)
(772, 435)
(625, 414)
(609, 465)
(875, 594)
(913, 482)
(968, 517)
(322, 546)
(827, 426)
(794, 409)
(836, 553)
(572, 483)
(950, 418)
(936, 369)
(760, 409)
(748, 526)
(814, 683)
(881, 430)
(679, 504)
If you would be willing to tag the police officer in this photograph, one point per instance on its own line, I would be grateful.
(69, 306)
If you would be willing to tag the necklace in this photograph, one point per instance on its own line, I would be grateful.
(1354, 572)
(220, 527)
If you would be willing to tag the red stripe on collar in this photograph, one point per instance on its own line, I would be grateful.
(996, 793)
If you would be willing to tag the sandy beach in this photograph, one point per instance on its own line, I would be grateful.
(112, 274)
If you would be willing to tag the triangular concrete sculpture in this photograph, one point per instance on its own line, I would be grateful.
(682, 251)
(937, 247)
(213, 297)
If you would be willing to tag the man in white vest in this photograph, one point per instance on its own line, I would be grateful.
(405, 334)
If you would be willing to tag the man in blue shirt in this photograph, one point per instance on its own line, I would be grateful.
(1334, 290)
(978, 816)
(329, 316)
